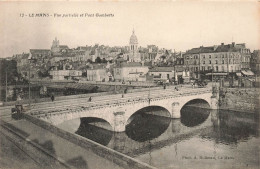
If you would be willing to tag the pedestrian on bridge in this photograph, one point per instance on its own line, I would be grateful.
(52, 98)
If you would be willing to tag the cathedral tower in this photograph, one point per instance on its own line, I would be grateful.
(133, 44)
(55, 46)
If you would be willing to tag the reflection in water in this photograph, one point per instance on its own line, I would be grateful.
(232, 127)
(146, 127)
(165, 143)
(88, 130)
(195, 117)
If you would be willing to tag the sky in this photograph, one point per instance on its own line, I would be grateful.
(172, 25)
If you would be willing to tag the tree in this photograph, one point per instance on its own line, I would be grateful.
(9, 68)
(89, 61)
(104, 60)
(163, 57)
(43, 73)
(98, 60)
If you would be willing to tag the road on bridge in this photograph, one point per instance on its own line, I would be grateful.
(65, 105)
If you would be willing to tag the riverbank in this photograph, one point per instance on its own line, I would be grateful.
(240, 99)
(101, 152)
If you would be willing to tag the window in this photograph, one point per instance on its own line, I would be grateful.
(223, 62)
(216, 56)
(203, 62)
(216, 61)
(209, 67)
(210, 56)
(187, 57)
(203, 56)
(217, 68)
(209, 61)
(222, 56)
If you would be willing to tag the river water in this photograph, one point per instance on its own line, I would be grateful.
(201, 138)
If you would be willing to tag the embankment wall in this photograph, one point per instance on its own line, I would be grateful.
(239, 99)
(105, 152)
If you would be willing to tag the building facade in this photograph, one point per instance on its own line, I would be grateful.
(130, 71)
(219, 58)
(65, 74)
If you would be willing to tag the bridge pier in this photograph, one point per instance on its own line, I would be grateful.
(119, 121)
(214, 103)
(176, 110)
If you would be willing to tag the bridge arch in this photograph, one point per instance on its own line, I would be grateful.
(194, 112)
(152, 110)
(96, 129)
(196, 101)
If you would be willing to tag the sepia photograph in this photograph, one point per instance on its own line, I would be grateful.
(126, 84)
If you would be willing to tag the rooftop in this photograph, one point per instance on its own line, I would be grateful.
(162, 69)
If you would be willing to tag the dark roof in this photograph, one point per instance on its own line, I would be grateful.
(162, 69)
(25, 56)
(215, 49)
(64, 47)
(82, 48)
(202, 49)
(130, 64)
(226, 48)
(39, 50)
(98, 66)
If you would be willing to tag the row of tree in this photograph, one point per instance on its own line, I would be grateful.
(8, 71)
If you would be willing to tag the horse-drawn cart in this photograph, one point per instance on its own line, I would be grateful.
(17, 111)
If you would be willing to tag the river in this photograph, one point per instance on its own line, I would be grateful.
(201, 138)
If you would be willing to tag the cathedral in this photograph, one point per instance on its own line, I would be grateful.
(55, 48)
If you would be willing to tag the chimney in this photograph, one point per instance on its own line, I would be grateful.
(222, 44)
(233, 44)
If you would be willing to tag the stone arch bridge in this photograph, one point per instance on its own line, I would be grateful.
(117, 111)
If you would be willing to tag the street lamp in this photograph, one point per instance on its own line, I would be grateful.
(29, 79)
(6, 83)
(212, 75)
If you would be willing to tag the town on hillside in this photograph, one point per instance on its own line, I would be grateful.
(232, 63)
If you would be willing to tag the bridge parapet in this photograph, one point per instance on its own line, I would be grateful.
(117, 112)
(116, 103)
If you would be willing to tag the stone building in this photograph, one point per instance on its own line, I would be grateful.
(255, 62)
(133, 55)
(131, 71)
(219, 58)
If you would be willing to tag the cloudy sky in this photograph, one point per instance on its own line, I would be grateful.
(174, 25)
